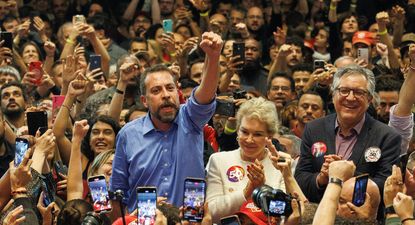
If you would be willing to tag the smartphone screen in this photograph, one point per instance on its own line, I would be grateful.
(78, 19)
(319, 64)
(146, 205)
(194, 199)
(36, 68)
(238, 49)
(21, 148)
(277, 207)
(35, 120)
(168, 25)
(98, 187)
(230, 220)
(47, 195)
(359, 193)
(94, 62)
(8, 39)
(363, 54)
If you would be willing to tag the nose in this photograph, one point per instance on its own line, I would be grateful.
(309, 110)
(165, 93)
(250, 138)
(351, 96)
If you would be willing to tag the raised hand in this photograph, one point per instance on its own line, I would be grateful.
(393, 185)
(69, 68)
(23, 29)
(39, 25)
(211, 44)
(281, 160)
(382, 19)
(167, 41)
(80, 129)
(76, 88)
(200, 5)
(21, 175)
(279, 36)
(403, 205)
(49, 48)
(342, 169)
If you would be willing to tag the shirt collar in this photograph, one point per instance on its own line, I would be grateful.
(358, 127)
(149, 126)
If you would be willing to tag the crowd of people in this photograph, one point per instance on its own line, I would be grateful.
(289, 111)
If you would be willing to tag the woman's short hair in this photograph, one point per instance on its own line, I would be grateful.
(262, 110)
(10, 70)
(100, 160)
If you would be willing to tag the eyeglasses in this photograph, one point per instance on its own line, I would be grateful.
(282, 88)
(358, 93)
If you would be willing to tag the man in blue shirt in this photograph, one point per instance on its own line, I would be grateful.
(166, 146)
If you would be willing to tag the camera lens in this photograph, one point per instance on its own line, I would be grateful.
(92, 219)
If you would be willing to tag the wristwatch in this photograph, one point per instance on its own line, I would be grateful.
(389, 210)
(336, 180)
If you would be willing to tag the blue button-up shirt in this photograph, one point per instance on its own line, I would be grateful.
(145, 156)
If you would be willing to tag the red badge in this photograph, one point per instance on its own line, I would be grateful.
(318, 149)
(235, 173)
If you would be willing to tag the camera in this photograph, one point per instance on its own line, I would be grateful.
(273, 202)
(239, 94)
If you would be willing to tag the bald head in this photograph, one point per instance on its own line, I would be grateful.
(347, 195)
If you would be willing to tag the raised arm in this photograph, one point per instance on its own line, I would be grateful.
(76, 88)
(75, 187)
(407, 93)
(382, 19)
(326, 211)
(211, 44)
(130, 10)
(128, 71)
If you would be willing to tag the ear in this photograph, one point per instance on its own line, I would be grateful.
(144, 100)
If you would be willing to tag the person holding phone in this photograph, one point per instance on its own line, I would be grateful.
(232, 176)
(13, 104)
(170, 135)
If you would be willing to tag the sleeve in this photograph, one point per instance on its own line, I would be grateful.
(305, 174)
(119, 177)
(28, 211)
(197, 115)
(402, 125)
(220, 204)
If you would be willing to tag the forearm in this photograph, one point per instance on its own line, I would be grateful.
(292, 186)
(398, 30)
(5, 189)
(406, 95)
(155, 11)
(393, 58)
(195, 29)
(74, 186)
(326, 211)
(100, 49)
(59, 126)
(130, 10)
(39, 159)
(302, 7)
(68, 48)
(333, 12)
(207, 89)
(47, 66)
(117, 101)
(225, 80)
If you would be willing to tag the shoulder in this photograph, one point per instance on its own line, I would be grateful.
(380, 128)
(132, 125)
(318, 123)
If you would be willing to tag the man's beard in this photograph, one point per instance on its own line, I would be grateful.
(252, 65)
(166, 118)
(12, 114)
(134, 87)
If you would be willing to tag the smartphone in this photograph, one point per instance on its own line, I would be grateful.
(359, 192)
(21, 148)
(194, 199)
(98, 187)
(94, 62)
(225, 108)
(230, 220)
(8, 39)
(146, 205)
(36, 68)
(78, 19)
(363, 54)
(401, 163)
(36, 120)
(47, 192)
(168, 26)
(60, 169)
(238, 49)
(319, 64)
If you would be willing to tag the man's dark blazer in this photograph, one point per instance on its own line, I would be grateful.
(373, 134)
